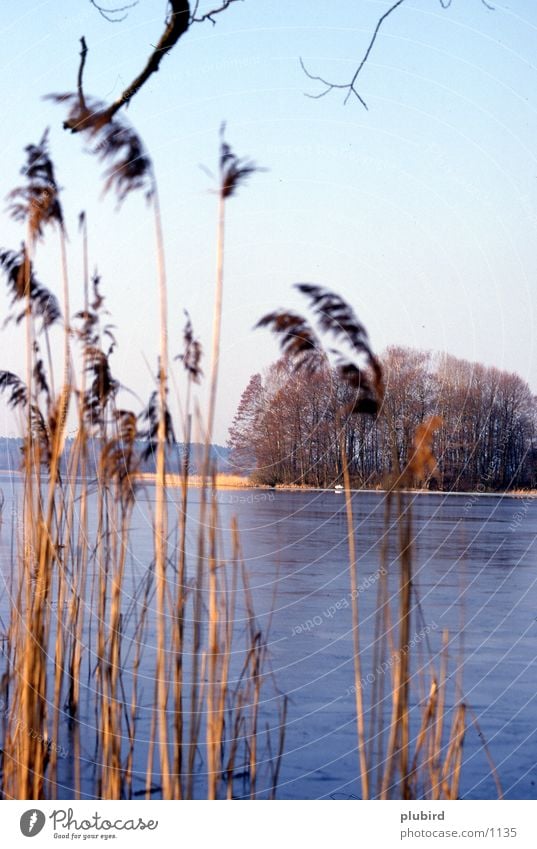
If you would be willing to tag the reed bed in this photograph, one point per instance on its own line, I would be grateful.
(88, 619)
(83, 716)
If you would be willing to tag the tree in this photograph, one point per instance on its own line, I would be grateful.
(287, 427)
(242, 433)
(408, 400)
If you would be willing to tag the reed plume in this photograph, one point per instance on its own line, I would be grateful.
(306, 349)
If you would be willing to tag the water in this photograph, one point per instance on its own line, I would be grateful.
(475, 571)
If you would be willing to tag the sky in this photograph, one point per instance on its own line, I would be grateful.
(421, 211)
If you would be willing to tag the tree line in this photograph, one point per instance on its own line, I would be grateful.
(177, 454)
(290, 426)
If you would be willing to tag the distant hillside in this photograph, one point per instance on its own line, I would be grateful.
(10, 456)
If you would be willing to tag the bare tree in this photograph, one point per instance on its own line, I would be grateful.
(286, 427)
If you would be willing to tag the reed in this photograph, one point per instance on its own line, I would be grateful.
(83, 611)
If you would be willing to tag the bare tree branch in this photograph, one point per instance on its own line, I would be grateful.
(209, 16)
(108, 13)
(80, 86)
(350, 87)
(179, 20)
(177, 24)
(330, 86)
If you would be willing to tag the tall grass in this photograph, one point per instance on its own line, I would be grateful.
(86, 622)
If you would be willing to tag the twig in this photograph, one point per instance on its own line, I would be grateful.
(106, 13)
(209, 16)
(350, 87)
(83, 54)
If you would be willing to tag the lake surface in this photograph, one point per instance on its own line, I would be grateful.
(475, 562)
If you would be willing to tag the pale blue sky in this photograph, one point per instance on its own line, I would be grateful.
(421, 211)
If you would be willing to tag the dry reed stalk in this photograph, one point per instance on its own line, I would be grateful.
(222, 600)
(228, 620)
(139, 635)
(281, 748)
(232, 172)
(213, 741)
(66, 312)
(236, 725)
(213, 387)
(178, 635)
(353, 565)
(405, 542)
(178, 629)
(492, 766)
(453, 758)
(196, 684)
(102, 561)
(161, 514)
(190, 358)
(151, 751)
(77, 605)
(253, 670)
(217, 325)
(437, 735)
(427, 719)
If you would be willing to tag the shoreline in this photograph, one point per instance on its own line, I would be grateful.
(235, 482)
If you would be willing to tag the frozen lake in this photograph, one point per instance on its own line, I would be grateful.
(475, 563)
